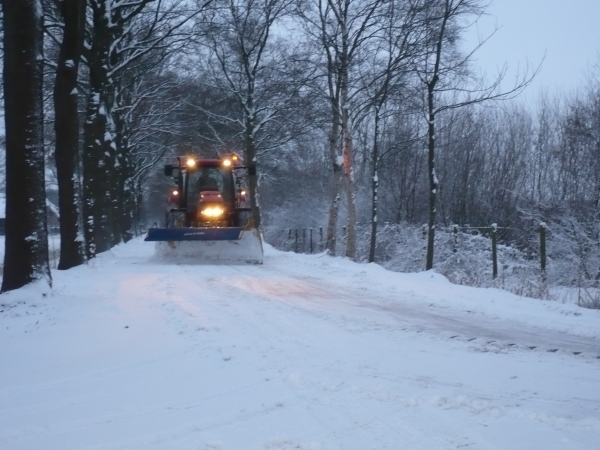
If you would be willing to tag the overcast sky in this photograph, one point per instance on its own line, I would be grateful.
(567, 32)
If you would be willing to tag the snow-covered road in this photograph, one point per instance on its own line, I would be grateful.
(304, 352)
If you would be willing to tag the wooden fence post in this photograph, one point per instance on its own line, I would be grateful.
(455, 231)
(494, 252)
(321, 238)
(311, 240)
(296, 243)
(303, 239)
(543, 250)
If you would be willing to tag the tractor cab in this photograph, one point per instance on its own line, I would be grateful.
(208, 194)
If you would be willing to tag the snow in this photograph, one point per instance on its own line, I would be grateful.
(303, 352)
(52, 207)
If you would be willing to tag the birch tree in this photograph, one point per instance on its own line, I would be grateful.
(340, 29)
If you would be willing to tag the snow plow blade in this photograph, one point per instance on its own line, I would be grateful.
(233, 245)
(194, 234)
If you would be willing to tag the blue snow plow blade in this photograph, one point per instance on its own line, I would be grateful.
(194, 234)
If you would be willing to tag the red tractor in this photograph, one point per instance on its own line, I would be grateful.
(208, 205)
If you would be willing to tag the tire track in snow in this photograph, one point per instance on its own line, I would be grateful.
(326, 294)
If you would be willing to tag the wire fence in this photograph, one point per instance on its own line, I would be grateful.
(301, 240)
(310, 240)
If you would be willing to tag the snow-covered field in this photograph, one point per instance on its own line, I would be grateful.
(304, 352)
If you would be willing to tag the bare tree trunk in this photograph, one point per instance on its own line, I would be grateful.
(336, 186)
(124, 188)
(347, 145)
(94, 177)
(66, 126)
(126, 191)
(349, 185)
(252, 175)
(374, 188)
(26, 248)
(433, 181)
(121, 173)
(98, 154)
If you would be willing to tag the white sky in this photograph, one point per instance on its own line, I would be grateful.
(566, 31)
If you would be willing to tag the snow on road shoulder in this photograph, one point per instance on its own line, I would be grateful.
(303, 352)
(435, 291)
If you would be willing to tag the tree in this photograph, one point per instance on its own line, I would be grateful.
(110, 23)
(444, 74)
(398, 44)
(66, 126)
(248, 68)
(120, 35)
(26, 248)
(340, 29)
(152, 125)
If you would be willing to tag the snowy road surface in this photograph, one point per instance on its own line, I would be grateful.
(304, 352)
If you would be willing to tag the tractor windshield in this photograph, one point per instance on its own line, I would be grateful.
(211, 179)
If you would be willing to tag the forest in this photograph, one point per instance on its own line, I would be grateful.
(366, 120)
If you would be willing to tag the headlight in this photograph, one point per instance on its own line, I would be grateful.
(191, 163)
(212, 212)
(227, 162)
